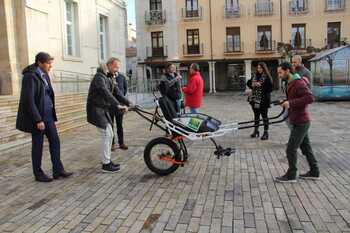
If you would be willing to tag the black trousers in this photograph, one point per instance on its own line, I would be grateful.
(120, 131)
(54, 146)
(176, 105)
(263, 112)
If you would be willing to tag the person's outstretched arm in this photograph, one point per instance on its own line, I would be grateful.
(191, 87)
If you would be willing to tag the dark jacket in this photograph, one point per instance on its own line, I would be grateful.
(267, 88)
(31, 104)
(122, 83)
(172, 87)
(122, 87)
(304, 72)
(299, 97)
(101, 99)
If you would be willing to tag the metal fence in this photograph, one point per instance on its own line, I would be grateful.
(139, 90)
(70, 82)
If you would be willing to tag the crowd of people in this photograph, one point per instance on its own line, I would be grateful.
(107, 103)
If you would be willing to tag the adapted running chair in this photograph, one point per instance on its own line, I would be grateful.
(198, 123)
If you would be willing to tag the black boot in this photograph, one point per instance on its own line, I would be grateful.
(265, 136)
(255, 134)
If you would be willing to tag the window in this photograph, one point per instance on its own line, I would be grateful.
(71, 28)
(264, 7)
(155, 5)
(298, 5)
(335, 4)
(193, 41)
(333, 35)
(232, 4)
(103, 35)
(156, 13)
(192, 8)
(157, 44)
(264, 38)
(233, 39)
(298, 36)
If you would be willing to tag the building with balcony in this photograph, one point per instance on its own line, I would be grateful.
(228, 37)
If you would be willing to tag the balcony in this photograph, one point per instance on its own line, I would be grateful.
(192, 15)
(264, 8)
(298, 7)
(335, 5)
(301, 45)
(269, 47)
(155, 17)
(331, 44)
(193, 51)
(233, 47)
(232, 11)
(157, 53)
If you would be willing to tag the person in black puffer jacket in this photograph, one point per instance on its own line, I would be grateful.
(260, 98)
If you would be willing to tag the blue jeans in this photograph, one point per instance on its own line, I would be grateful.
(194, 110)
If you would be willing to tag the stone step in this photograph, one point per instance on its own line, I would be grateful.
(10, 101)
(62, 116)
(14, 105)
(71, 111)
(14, 135)
(26, 141)
(10, 117)
(15, 145)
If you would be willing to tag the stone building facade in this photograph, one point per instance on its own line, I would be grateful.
(79, 34)
(228, 37)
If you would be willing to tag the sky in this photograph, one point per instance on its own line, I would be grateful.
(131, 11)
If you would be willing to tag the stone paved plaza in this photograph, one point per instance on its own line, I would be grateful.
(233, 194)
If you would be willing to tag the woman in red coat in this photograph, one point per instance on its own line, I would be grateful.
(194, 89)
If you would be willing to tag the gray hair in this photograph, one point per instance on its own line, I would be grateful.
(111, 60)
(104, 68)
(297, 57)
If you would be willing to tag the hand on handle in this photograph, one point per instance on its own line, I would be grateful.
(124, 109)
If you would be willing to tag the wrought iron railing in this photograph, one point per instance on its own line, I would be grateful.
(161, 52)
(335, 5)
(232, 11)
(194, 50)
(233, 47)
(268, 46)
(264, 8)
(193, 14)
(330, 44)
(300, 45)
(155, 17)
(298, 7)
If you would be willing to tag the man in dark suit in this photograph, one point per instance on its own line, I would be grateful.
(121, 83)
(37, 115)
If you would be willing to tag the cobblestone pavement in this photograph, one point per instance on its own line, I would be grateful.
(233, 194)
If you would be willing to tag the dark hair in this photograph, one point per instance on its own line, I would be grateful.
(42, 57)
(265, 69)
(195, 66)
(286, 66)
